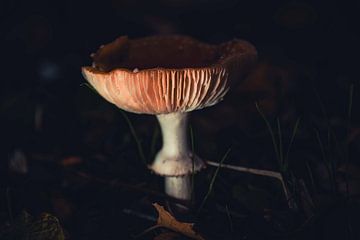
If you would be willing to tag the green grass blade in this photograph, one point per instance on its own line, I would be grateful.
(311, 175)
(322, 107)
(133, 133)
(213, 180)
(294, 132)
(229, 218)
(322, 149)
(192, 141)
(132, 130)
(270, 130)
(339, 148)
(281, 159)
(323, 154)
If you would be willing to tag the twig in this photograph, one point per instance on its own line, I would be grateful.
(260, 172)
(254, 171)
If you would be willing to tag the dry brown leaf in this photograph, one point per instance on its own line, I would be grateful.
(166, 220)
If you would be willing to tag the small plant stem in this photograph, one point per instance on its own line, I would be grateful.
(326, 162)
(268, 125)
(133, 133)
(281, 158)
(296, 127)
(192, 141)
(229, 218)
(132, 130)
(213, 180)
(311, 176)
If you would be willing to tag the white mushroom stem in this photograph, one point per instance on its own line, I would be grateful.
(178, 187)
(174, 133)
(175, 160)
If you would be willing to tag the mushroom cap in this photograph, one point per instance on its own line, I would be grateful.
(164, 74)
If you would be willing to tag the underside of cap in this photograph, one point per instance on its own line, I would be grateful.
(164, 74)
(159, 91)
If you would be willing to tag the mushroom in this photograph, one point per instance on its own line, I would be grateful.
(169, 76)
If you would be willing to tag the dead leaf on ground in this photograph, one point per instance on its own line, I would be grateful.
(166, 220)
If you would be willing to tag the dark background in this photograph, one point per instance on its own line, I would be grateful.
(308, 61)
(44, 44)
(41, 34)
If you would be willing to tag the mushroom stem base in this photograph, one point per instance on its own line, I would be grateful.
(179, 187)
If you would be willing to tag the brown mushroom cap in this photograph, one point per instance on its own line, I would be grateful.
(177, 73)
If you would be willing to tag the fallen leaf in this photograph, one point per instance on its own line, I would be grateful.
(166, 220)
